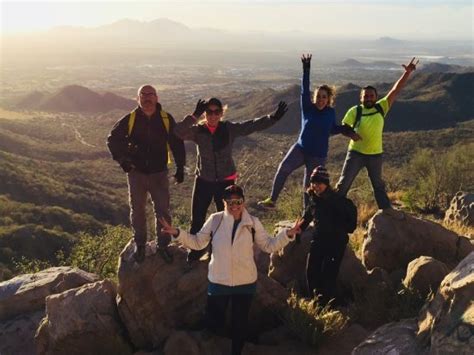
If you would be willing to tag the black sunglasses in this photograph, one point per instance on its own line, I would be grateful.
(215, 112)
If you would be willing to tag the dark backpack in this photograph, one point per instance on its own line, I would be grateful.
(216, 223)
(349, 210)
(377, 106)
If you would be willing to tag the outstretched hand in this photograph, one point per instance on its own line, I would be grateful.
(296, 228)
(411, 66)
(200, 108)
(281, 110)
(306, 60)
(167, 228)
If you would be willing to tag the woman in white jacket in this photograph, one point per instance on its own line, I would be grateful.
(232, 269)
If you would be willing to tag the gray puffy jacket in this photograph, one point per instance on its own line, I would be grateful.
(214, 151)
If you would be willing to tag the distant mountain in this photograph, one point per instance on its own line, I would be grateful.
(389, 41)
(444, 68)
(378, 64)
(429, 101)
(74, 98)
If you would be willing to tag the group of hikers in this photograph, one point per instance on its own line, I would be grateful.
(143, 141)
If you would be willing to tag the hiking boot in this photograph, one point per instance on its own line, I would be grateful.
(267, 203)
(139, 254)
(165, 254)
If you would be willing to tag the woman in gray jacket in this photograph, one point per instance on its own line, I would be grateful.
(232, 269)
(215, 167)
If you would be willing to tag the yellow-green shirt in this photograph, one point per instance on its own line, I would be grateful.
(370, 128)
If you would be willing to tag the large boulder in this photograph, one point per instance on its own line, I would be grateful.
(461, 209)
(17, 334)
(155, 298)
(424, 274)
(27, 293)
(392, 338)
(447, 322)
(395, 240)
(288, 266)
(83, 320)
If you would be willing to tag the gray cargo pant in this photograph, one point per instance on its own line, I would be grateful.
(139, 186)
(373, 163)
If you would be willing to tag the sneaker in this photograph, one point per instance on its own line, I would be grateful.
(165, 254)
(139, 254)
(267, 203)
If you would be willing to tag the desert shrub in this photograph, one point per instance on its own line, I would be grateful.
(312, 322)
(374, 307)
(436, 177)
(99, 253)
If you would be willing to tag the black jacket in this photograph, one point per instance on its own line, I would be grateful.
(327, 212)
(146, 147)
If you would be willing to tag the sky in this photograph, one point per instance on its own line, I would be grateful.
(404, 19)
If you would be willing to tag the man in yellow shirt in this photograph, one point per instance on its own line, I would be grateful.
(365, 150)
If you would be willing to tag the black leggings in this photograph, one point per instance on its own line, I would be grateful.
(203, 193)
(322, 268)
(215, 316)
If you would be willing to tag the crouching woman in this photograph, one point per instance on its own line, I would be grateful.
(232, 269)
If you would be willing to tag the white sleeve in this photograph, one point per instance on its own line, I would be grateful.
(196, 241)
(267, 243)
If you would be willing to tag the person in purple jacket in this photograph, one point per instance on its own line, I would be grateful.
(318, 122)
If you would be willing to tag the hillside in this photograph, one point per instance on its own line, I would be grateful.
(74, 98)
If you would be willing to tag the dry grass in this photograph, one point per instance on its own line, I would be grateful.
(356, 240)
(459, 229)
(311, 322)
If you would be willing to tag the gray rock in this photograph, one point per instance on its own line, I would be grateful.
(17, 334)
(424, 274)
(394, 241)
(83, 320)
(398, 338)
(26, 293)
(446, 324)
(461, 209)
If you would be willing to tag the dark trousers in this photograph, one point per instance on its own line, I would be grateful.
(373, 163)
(322, 268)
(215, 316)
(203, 194)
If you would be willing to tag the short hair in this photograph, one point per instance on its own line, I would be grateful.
(369, 87)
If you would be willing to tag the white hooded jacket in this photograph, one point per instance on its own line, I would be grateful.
(233, 263)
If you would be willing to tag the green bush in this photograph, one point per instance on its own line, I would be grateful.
(312, 322)
(435, 178)
(99, 253)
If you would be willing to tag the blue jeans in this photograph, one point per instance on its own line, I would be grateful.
(373, 163)
(294, 159)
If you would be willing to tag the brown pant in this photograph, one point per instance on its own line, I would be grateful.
(157, 185)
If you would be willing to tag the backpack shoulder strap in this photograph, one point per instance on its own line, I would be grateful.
(358, 116)
(166, 120)
(131, 122)
(252, 229)
(379, 109)
(216, 223)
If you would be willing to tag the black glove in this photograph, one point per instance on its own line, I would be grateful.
(298, 239)
(201, 106)
(127, 166)
(306, 60)
(179, 176)
(281, 110)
